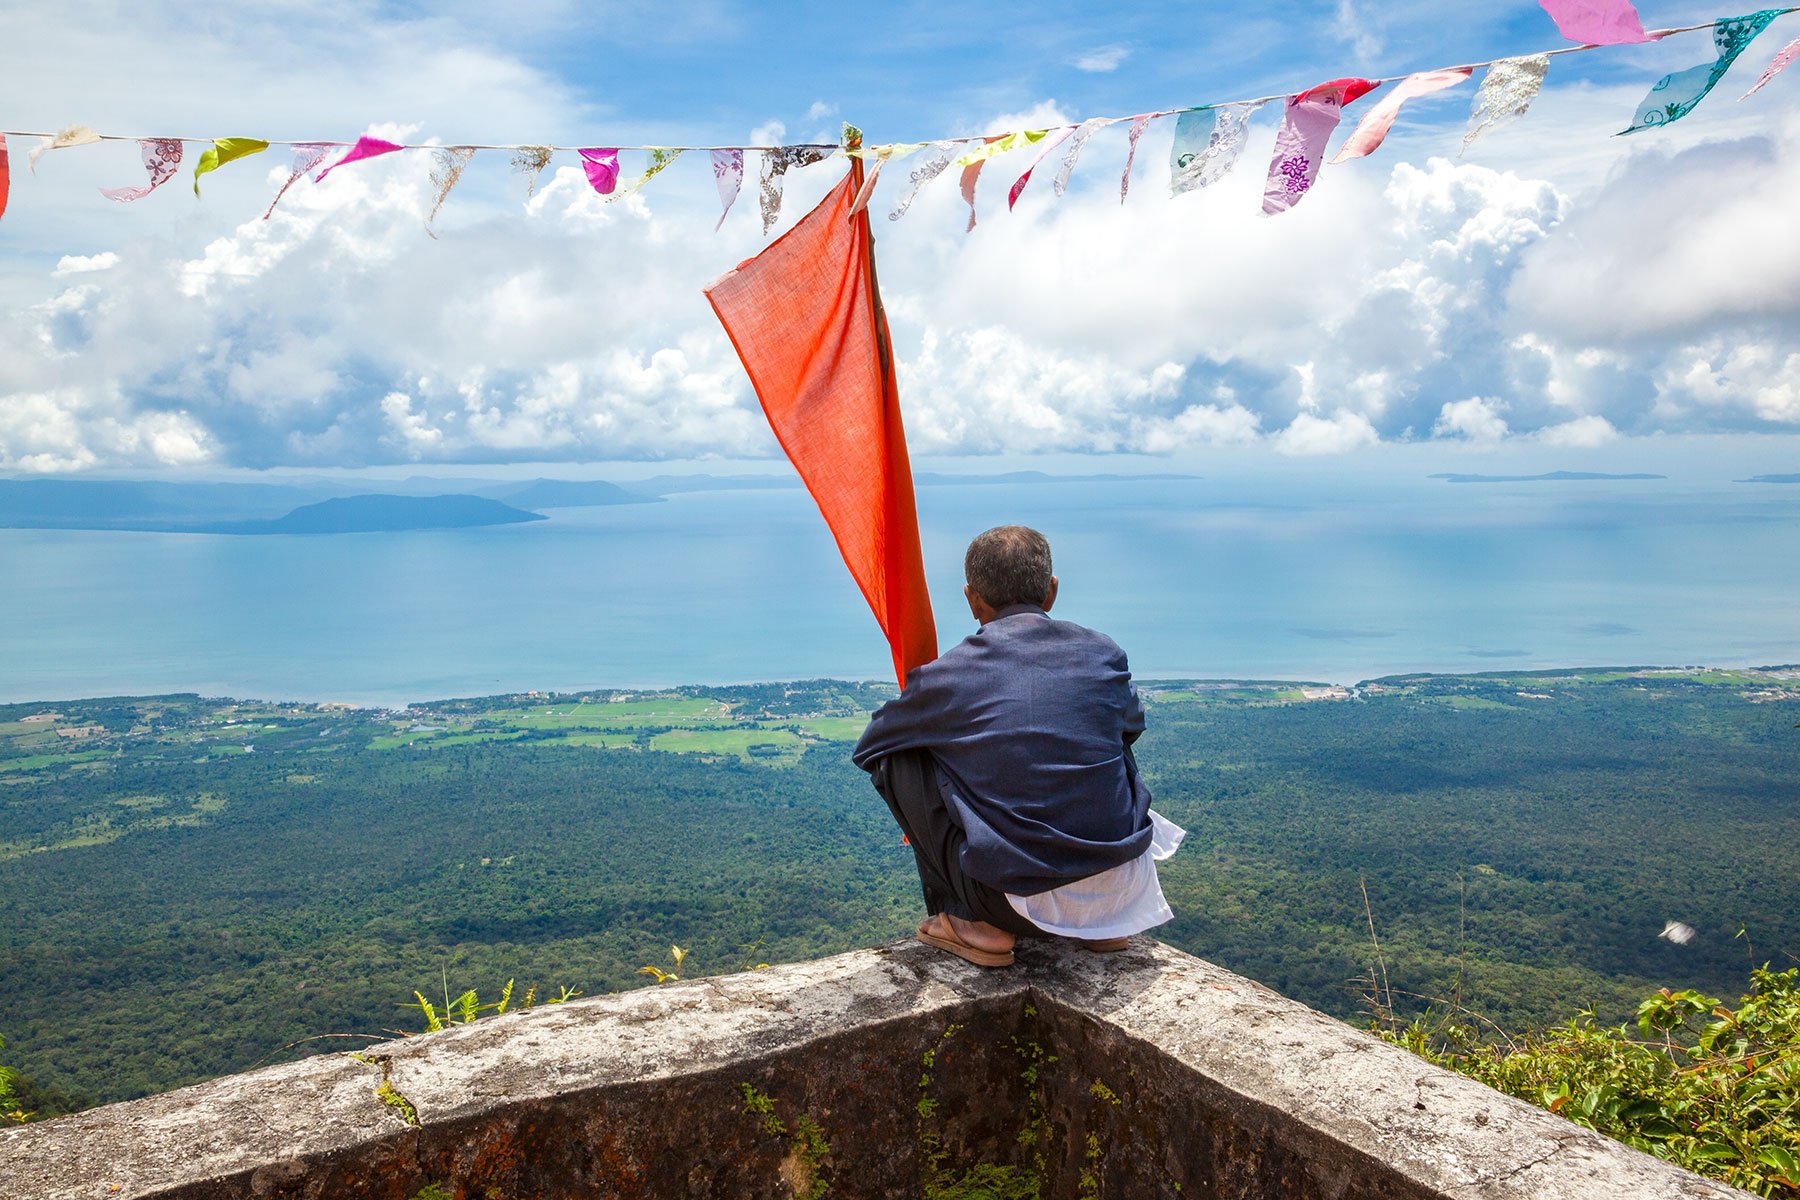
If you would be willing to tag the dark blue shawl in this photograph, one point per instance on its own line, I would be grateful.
(1030, 721)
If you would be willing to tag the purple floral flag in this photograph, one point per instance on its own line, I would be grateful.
(162, 158)
(1300, 145)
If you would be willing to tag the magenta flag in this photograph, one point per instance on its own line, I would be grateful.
(366, 147)
(1050, 143)
(1597, 22)
(1378, 120)
(602, 167)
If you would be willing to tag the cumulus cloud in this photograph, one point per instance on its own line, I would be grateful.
(1339, 433)
(81, 264)
(1477, 419)
(1582, 433)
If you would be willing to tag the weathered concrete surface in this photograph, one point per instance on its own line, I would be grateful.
(1151, 1072)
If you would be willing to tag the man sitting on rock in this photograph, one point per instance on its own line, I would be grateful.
(1007, 763)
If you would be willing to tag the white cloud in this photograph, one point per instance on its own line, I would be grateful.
(1198, 425)
(1477, 419)
(1351, 25)
(1583, 433)
(79, 264)
(1102, 59)
(1339, 433)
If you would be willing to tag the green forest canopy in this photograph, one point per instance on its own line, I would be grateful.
(192, 885)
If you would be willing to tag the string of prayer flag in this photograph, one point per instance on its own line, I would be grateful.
(1207, 138)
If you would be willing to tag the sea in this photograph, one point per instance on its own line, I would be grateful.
(1249, 576)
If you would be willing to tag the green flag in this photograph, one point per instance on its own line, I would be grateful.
(223, 151)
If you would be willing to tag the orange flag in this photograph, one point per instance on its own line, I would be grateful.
(806, 319)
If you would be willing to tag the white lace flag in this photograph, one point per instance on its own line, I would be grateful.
(1506, 91)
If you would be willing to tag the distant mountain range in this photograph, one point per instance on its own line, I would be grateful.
(323, 505)
(1770, 479)
(308, 506)
(1547, 477)
(382, 514)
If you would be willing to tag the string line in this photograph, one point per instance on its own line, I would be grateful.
(1651, 35)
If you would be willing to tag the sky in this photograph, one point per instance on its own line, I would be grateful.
(1555, 295)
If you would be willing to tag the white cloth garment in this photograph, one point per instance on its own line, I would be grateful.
(1119, 902)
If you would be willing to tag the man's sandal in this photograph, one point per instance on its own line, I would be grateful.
(1103, 945)
(942, 934)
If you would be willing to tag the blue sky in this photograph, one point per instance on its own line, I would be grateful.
(1556, 295)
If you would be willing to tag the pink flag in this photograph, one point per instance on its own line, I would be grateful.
(970, 174)
(307, 156)
(1300, 144)
(1050, 143)
(1783, 57)
(1376, 123)
(162, 158)
(1596, 22)
(366, 147)
(5, 176)
(602, 167)
(1138, 124)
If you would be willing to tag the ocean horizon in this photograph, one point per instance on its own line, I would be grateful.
(1198, 578)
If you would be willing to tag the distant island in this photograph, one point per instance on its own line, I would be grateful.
(314, 504)
(1770, 479)
(382, 514)
(1547, 477)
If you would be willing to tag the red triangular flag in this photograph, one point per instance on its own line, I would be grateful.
(806, 319)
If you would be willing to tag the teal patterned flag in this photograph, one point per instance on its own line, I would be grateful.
(1675, 96)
